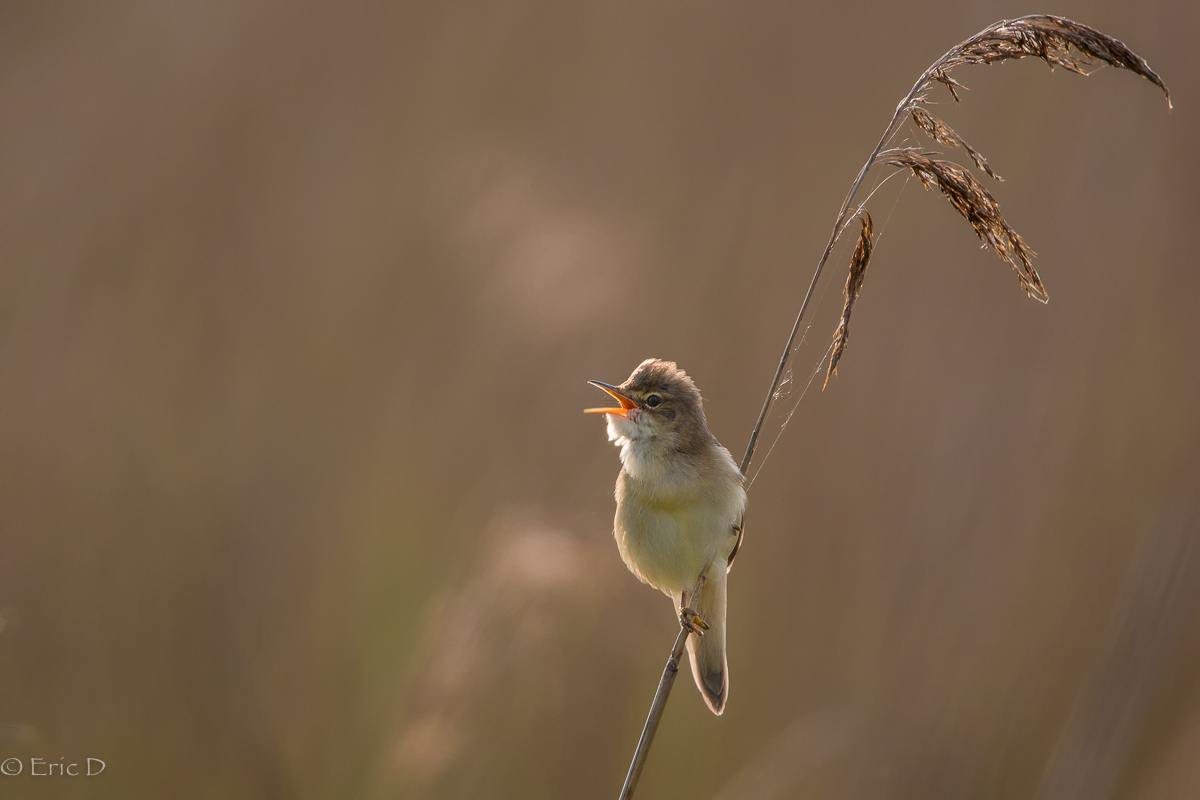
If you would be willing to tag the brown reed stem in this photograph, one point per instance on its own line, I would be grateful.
(658, 705)
(656, 711)
(839, 225)
(1040, 36)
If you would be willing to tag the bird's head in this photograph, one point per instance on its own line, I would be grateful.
(659, 406)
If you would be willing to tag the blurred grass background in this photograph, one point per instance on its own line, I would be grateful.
(297, 306)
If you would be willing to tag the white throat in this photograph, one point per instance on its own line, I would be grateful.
(645, 453)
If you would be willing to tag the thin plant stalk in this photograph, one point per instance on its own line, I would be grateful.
(838, 226)
(655, 716)
(660, 703)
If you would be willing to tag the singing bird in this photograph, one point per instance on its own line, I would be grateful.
(680, 500)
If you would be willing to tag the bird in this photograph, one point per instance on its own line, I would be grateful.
(681, 499)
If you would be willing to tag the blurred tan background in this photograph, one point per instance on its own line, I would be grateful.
(297, 306)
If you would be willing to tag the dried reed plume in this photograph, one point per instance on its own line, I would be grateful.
(854, 282)
(977, 205)
(1057, 41)
(1041, 36)
(942, 133)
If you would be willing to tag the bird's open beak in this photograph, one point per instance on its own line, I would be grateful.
(627, 405)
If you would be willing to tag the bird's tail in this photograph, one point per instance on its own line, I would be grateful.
(707, 652)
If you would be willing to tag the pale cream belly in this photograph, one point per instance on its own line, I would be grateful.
(668, 548)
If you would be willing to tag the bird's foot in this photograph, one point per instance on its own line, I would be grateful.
(692, 622)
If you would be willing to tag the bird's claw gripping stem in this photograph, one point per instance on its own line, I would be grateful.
(692, 622)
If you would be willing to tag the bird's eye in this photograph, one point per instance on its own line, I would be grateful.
(653, 400)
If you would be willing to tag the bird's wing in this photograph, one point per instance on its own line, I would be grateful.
(740, 529)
